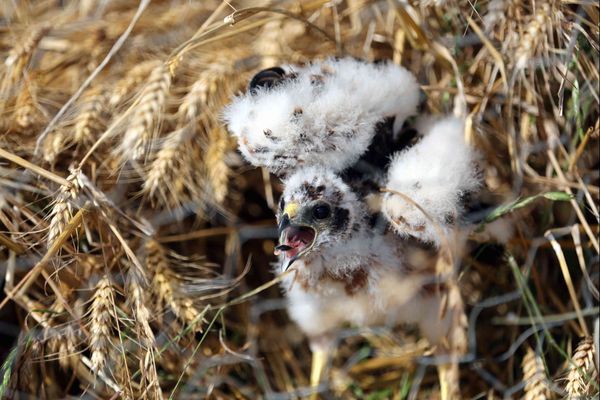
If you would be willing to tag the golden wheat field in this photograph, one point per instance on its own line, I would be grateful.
(136, 244)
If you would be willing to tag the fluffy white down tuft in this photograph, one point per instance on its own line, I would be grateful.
(322, 114)
(435, 173)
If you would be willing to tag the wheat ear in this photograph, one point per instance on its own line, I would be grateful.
(102, 316)
(62, 208)
(125, 86)
(534, 376)
(146, 116)
(92, 118)
(28, 111)
(137, 297)
(16, 62)
(165, 286)
(173, 165)
(217, 170)
(582, 379)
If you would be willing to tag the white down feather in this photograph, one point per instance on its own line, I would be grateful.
(435, 173)
(325, 116)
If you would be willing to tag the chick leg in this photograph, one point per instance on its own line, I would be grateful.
(319, 360)
(448, 376)
(321, 350)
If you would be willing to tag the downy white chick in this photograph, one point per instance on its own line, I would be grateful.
(332, 131)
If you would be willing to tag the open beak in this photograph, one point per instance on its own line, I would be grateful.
(295, 240)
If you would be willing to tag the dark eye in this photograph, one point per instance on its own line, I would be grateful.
(266, 78)
(321, 211)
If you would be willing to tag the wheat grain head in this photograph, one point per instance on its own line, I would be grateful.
(166, 286)
(146, 116)
(141, 314)
(17, 61)
(534, 376)
(93, 117)
(582, 379)
(62, 208)
(125, 86)
(28, 112)
(101, 322)
(217, 170)
(171, 178)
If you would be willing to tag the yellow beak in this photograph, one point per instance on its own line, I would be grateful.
(291, 210)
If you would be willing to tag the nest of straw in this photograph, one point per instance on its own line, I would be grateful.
(136, 244)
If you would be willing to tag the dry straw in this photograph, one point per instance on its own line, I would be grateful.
(133, 312)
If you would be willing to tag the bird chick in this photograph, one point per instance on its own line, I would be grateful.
(332, 131)
(348, 269)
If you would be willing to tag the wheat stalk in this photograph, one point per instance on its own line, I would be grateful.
(582, 379)
(534, 376)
